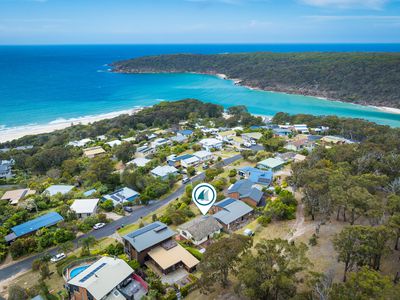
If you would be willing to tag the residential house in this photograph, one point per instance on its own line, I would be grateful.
(122, 195)
(101, 138)
(273, 164)
(154, 244)
(200, 229)
(114, 143)
(186, 160)
(211, 144)
(138, 243)
(47, 220)
(80, 143)
(246, 191)
(14, 196)
(299, 157)
(6, 168)
(251, 137)
(282, 132)
(144, 151)
(204, 156)
(164, 171)
(139, 161)
(256, 176)
(160, 142)
(129, 139)
(179, 139)
(58, 189)
(84, 207)
(93, 151)
(297, 145)
(301, 128)
(226, 136)
(335, 140)
(185, 132)
(231, 213)
(108, 278)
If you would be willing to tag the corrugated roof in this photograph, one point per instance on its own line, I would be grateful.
(271, 162)
(55, 189)
(149, 235)
(245, 189)
(84, 206)
(102, 276)
(232, 211)
(46, 220)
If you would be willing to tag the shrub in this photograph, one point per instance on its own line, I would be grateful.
(264, 220)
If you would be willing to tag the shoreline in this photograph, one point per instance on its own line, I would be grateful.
(236, 81)
(240, 82)
(9, 134)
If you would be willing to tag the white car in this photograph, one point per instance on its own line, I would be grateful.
(99, 225)
(58, 257)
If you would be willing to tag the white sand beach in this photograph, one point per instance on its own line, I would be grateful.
(9, 134)
(388, 109)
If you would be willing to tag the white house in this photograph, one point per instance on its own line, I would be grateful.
(302, 128)
(114, 143)
(6, 168)
(84, 207)
(160, 142)
(164, 171)
(122, 195)
(203, 155)
(58, 189)
(190, 161)
(144, 151)
(140, 162)
(211, 144)
(80, 143)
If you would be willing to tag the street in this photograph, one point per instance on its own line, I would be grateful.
(109, 229)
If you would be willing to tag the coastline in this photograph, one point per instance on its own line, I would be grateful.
(9, 134)
(237, 81)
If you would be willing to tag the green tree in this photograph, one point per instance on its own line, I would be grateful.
(366, 284)
(273, 271)
(221, 258)
(86, 243)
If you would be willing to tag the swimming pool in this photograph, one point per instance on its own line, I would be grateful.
(77, 270)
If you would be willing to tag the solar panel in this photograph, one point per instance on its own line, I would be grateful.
(114, 198)
(143, 230)
(226, 202)
(86, 277)
(159, 228)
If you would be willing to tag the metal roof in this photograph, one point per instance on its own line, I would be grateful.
(149, 236)
(55, 189)
(46, 220)
(232, 210)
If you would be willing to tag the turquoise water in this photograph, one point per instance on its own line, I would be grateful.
(77, 271)
(43, 84)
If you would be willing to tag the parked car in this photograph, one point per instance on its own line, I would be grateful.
(185, 180)
(128, 209)
(58, 257)
(205, 167)
(99, 225)
(248, 232)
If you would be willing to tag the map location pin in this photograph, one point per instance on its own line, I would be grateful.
(204, 196)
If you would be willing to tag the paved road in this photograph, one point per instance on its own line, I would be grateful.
(110, 228)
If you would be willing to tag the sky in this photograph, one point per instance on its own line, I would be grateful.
(198, 21)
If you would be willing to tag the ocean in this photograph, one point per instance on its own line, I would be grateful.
(50, 84)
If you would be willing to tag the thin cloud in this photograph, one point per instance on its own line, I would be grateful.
(371, 4)
(355, 17)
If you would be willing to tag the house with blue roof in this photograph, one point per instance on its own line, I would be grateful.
(231, 213)
(256, 176)
(186, 132)
(47, 220)
(246, 191)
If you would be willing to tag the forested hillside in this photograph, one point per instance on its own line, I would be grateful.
(364, 78)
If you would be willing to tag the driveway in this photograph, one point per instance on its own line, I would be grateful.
(109, 229)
